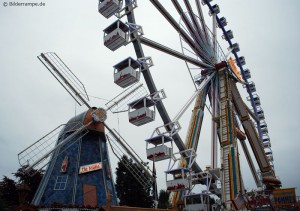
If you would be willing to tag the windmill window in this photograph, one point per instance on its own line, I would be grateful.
(61, 182)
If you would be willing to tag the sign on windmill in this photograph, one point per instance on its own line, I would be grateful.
(90, 167)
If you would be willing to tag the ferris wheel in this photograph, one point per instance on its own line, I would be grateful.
(219, 72)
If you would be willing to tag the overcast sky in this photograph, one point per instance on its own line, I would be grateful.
(33, 103)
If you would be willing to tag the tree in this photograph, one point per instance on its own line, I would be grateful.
(3, 203)
(8, 188)
(32, 181)
(129, 191)
(163, 199)
(9, 195)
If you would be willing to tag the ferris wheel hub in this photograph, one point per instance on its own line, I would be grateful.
(221, 65)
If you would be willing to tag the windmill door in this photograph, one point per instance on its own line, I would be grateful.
(89, 195)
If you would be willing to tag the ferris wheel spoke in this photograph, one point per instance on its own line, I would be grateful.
(172, 52)
(196, 21)
(214, 34)
(202, 21)
(191, 28)
(203, 48)
(193, 32)
(190, 10)
(176, 26)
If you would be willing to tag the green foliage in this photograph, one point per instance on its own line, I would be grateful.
(163, 199)
(3, 203)
(129, 191)
(32, 181)
(9, 195)
(8, 188)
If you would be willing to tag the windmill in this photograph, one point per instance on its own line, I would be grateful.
(75, 154)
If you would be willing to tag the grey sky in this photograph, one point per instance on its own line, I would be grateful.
(33, 103)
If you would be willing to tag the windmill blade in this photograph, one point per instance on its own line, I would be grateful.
(38, 154)
(120, 102)
(65, 77)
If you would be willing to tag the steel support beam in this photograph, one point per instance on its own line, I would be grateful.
(172, 52)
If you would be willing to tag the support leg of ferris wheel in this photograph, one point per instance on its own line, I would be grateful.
(195, 125)
(251, 133)
(229, 160)
(193, 134)
(214, 93)
(214, 143)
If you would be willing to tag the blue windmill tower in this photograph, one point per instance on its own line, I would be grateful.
(79, 171)
(75, 155)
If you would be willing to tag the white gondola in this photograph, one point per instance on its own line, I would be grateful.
(269, 153)
(127, 72)
(266, 144)
(256, 99)
(160, 151)
(266, 139)
(260, 114)
(264, 128)
(140, 112)
(179, 179)
(263, 124)
(252, 86)
(242, 60)
(270, 158)
(108, 8)
(247, 73)
(236, 47)
(116, 35)
(196, 202)
(204, 2)
(223, 22)
(229, 34)
(216, 9)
